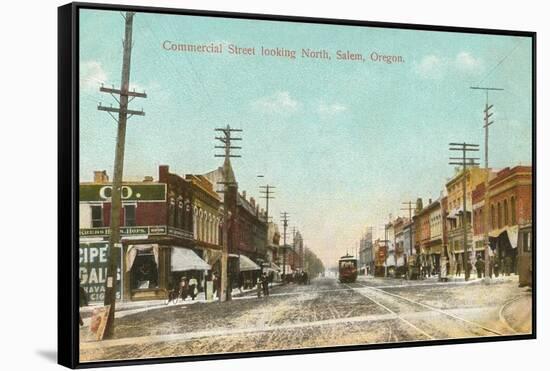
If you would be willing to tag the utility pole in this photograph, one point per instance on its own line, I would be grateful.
(229, 187)
(284, 219)
(464, 161)
(123, 115)
(409, 208)
(267, 192)
(486, 123)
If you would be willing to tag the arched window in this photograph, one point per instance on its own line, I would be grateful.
(505, 212)
(179, 213)
(195, 223)
(513, 211)
(499, 215)
(172, 212)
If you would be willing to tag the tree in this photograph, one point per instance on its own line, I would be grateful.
(313, 265)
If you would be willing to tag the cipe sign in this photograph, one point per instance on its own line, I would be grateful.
(93, 269)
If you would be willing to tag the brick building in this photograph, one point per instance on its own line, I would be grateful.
(509, 214)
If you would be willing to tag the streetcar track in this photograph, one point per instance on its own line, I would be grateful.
(429, 307)
(396, 315)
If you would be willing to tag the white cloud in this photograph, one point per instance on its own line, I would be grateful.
(279, 102)
(92, 75)
(435, 67)
(331, 109)
(467, 62)
(430, 67)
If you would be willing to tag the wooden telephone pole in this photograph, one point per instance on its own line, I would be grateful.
(267, 192)
(409, 208)
(284, 219)
(229, 185)
(464, 161)
(486, 123)
(124, 97)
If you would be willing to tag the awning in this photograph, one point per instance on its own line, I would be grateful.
(270, 267)
(511, 232)
(246, 264)
(184, 259)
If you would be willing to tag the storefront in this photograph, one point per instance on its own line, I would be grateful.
(249, 272)
(504, 243)
(186, 264)
(151, 270)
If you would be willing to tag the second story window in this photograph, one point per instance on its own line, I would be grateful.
(97, 216)
(172, 212)
(129, 215)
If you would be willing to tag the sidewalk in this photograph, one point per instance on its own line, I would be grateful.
(434, 280)
(132, 307)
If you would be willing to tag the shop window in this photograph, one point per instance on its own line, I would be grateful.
(97, 216)
(129, 215)
(144, 271)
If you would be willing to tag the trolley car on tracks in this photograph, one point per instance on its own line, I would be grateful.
(347, 269)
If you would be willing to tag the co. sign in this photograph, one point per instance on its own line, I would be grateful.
(107, 191)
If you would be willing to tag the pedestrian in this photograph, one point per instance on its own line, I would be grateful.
(83, 299)
(479, 266)
(496, 267)
(458, 267)
(183, 288)
(193, 290)
(214, 285)
(265, 284)
(259, 287)
(508, 265)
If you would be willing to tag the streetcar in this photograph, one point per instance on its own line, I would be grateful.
(347, 269)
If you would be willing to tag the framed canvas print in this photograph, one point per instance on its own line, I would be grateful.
(239, 185)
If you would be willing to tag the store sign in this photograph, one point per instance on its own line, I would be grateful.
(180, 233)
(129, 192)
(124, 231)
(93, 269)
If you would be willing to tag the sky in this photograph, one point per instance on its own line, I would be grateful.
(344, 142)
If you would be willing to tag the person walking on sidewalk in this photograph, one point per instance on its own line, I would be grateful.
(265, 284)
(193, 287)
(259, 285)
(480, 267)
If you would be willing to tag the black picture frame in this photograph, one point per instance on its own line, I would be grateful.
(68, 181)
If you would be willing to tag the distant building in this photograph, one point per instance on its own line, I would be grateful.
(366, 257)
(380, 252)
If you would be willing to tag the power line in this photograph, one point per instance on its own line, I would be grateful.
(122, 96)
(226, 137)
(464, 161)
